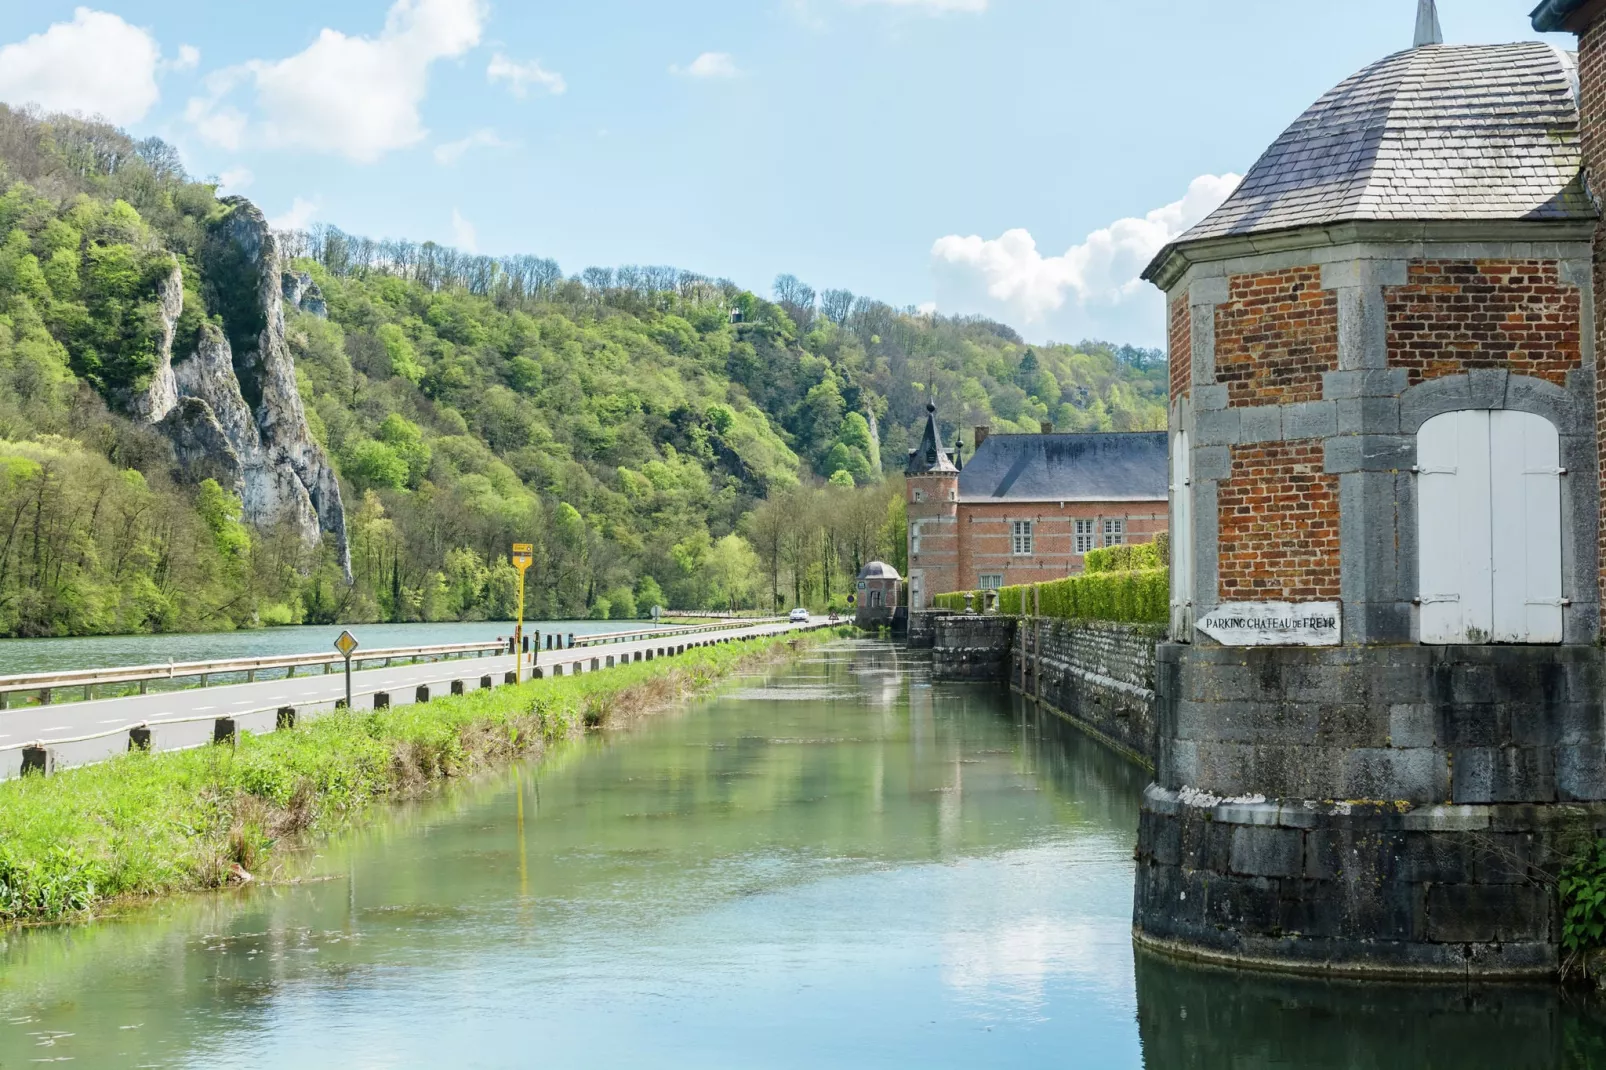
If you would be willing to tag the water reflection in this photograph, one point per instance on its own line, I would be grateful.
(838, 865)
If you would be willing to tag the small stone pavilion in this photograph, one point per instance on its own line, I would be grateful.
(1381, 727)
(1026, 508)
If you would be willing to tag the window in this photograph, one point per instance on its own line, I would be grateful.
(1084, 536)
(1489, 528)
(914, 537)
(990, 581)
(920, 495)
(1021, 537)
(1114, 532)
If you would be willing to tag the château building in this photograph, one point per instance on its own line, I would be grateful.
(1026, 508)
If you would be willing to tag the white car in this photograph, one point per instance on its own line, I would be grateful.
(800, 616)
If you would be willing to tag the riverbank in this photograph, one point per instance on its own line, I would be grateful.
(145, 825)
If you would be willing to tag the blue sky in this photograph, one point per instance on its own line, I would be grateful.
(1018, 158)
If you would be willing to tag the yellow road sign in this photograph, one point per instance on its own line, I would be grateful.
(523, 555)
(346, 644)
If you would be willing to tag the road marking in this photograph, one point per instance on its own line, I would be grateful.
(56, 728)
(116, 720)
(203, 709)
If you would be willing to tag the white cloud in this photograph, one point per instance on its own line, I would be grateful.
(450, 152)
(189, 57)
(235, 179)
(709, 65)
(97, 64)
(353, 96)
(1093, 287)
(464, 235)
(520, 76)
(299, 217)
(932, 7)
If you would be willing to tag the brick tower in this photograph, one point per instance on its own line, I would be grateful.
(932, 489)
(1384, 680)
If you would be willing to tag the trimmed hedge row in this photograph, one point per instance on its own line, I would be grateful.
(1123, 584)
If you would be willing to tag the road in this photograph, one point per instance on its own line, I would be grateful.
(254, 706)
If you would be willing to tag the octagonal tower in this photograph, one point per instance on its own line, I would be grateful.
(1381, 718)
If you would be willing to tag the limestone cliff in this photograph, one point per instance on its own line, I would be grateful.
(231, 407)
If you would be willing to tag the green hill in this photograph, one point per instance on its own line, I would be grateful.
(660, 436)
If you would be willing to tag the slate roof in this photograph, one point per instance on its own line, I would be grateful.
(931, 457)
(1441, 132)
(1123, 466)
(879, 570)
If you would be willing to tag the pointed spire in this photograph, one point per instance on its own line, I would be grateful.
(930, 457)
(1428, 31)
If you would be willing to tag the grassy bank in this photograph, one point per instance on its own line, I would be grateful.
(150, 824)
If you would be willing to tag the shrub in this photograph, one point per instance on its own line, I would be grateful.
(1136, 557)
(1583, 901)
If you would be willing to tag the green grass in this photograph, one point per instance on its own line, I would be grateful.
(148, 824)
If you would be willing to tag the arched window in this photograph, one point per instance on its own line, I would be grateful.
(1489, 528)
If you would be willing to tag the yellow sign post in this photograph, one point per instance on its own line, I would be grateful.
(523, 555)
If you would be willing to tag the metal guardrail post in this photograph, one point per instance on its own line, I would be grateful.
(381, 700)
(485, 683)
(139, 738)
(224, 731)
(285, 719)
(457, 687)
(422, 694)
(511, 678)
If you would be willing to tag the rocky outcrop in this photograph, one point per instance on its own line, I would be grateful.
(231, 407)
(304, 295)
(160, 395)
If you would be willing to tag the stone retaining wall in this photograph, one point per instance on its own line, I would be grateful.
(1099, 675)
(972, 647)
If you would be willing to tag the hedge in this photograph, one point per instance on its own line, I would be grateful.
(1135, 557)
(1133, 596)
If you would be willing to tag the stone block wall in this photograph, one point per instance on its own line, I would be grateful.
(1334, 809)
(1097, 674)
(923, 627)
(972, 647)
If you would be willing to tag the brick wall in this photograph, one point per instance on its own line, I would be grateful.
(1275, 336)
(1453, 315)
(1180, 344)
(1278, 535)
(1592, 83)
(986, 544)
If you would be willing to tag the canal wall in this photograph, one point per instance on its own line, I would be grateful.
(1098, 675)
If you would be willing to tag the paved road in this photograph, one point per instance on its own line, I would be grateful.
(254, 705)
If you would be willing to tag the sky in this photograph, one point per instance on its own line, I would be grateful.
(1020, 159)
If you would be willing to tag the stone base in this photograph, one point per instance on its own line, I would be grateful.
(1369, 811)
(1356, 889)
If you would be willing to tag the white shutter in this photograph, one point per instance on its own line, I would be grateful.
(1489, 528)
(1181, 538)
(1525, 479)
(1453, 529)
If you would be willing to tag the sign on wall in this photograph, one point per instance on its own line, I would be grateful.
(1275, 624)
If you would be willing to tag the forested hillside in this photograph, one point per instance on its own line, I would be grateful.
(660, 436)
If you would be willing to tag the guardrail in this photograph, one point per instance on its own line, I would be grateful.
(45, 683)
(38, 756)
(597, 638)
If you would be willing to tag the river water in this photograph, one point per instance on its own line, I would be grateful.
(836, 865)
(94, 652)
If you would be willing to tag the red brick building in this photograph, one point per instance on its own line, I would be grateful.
(1027, 508)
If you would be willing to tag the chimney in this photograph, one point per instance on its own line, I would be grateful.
(1048, 428)
(982, 431)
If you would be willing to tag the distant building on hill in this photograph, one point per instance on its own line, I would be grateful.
(1027, 508)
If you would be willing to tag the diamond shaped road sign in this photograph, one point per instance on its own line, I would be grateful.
(346, 644)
